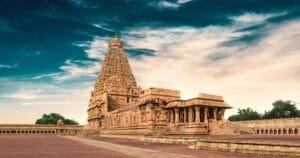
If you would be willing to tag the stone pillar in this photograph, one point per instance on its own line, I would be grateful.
(142, 112)
(176, 115)
(171, 112)
(197, 117)
(149, 114)
(106, 122)
(185, 115)
(205, 115)
(215, 114)
(114, 121)
(111, 121)
(190, 114)
(153, 115)
(222, 115)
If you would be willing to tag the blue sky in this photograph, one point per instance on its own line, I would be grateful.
(51, 51)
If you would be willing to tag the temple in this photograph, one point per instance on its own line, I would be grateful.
(118, 106)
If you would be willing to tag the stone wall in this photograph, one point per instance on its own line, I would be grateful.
(247, 147)
(152, 116)
(13, 129)
(283, 126)
(142, 119)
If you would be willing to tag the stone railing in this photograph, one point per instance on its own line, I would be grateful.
(296, 119)
(10, 129)
(283, 126)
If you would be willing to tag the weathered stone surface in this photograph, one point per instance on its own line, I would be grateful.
(118, 106)
(259, 144)
(283, 126)
(210, 96)
(246, 147)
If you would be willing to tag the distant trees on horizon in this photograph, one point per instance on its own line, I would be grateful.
(281, 109)
(52, 118)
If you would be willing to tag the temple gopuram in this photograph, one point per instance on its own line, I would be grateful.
(118, 106)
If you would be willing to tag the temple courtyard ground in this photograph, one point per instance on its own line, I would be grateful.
(39, 146)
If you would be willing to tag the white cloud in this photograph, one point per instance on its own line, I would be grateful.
(166, 4)
(249, 75)
(5, 66)
(73, 69)
(162, 4)
(52, 75)
(254, 18)
(246, 75)
(34, 99)
(24, 94)
(15, 65)
(183, 1)
(103, 27)
(77, 68)
(253, 76)
(97, 48)
(194, 60)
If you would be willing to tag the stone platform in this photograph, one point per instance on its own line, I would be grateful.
(264, 144)
(183, 148)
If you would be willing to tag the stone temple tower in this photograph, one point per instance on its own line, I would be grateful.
(115, 87)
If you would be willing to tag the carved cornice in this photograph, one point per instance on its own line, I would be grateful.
(197, 102)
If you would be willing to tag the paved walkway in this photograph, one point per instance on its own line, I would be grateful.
(42, 146)
(129, 150)
(51, 147)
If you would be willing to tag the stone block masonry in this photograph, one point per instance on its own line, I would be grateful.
(281, 126)
(247, 147)
(118, 106)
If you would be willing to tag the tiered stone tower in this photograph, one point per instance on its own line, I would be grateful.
(116, 77)
(115, 87)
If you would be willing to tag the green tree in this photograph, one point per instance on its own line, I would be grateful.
(245, 114)
(282, 109)
(52, 118)
(234, 118)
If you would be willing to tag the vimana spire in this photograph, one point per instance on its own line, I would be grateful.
(118, 106)
(116, 78)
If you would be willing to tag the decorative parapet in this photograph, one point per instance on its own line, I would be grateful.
(210, 97)
(272, 126)
(198, 101)
(161, 93)
(291, 119)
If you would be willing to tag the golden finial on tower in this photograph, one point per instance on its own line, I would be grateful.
(115, 41)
